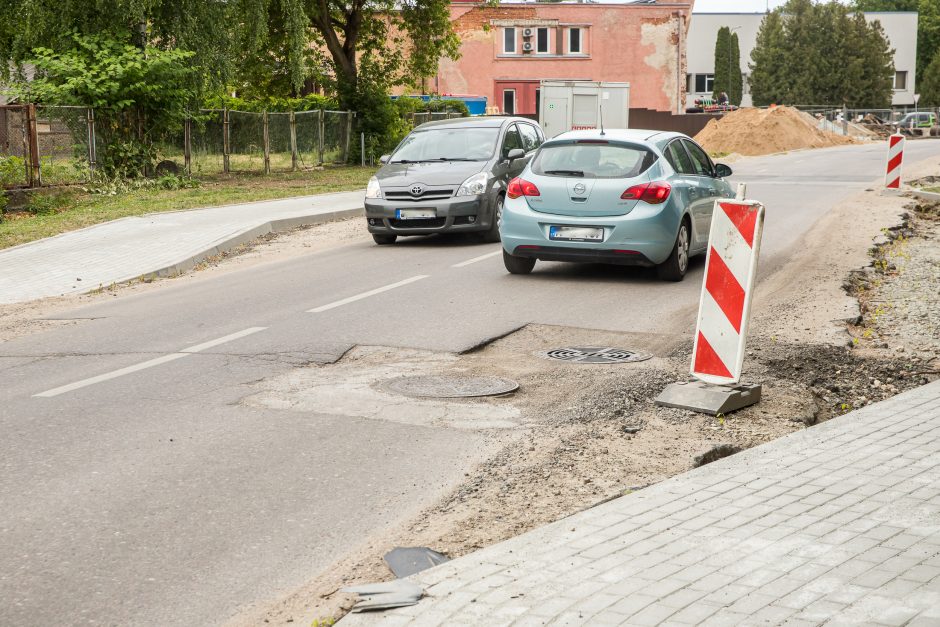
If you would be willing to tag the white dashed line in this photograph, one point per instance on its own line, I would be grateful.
(150, 363)
(379, 290)
(476, 259)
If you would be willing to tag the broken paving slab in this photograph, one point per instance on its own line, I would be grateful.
(408, 560)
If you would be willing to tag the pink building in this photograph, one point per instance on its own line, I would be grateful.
(508, 48)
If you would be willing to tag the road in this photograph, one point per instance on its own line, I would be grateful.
(137, 489)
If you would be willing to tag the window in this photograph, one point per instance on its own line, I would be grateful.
(574, 40)
(434, 143)
(900, 81)
(678, 158)
(541, 40)
(511, 141)
(700, 161)
(704, 83)
(612, 161)
(530, 138)
(509, 40)
(509, 101)
(538, 102)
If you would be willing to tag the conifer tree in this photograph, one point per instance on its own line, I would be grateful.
(722, 62)
(736, 91)
(769, 79)
(930, 83)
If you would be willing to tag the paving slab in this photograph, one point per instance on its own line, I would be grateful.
(839, 522)
(160, 244)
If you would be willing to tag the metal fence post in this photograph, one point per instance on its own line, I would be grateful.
(293, 142)
(362, 148)
(225, 141)
(349, 118)
(267, 143)
(188, 145)
(92, 148)
(35, 173)
(320, 130)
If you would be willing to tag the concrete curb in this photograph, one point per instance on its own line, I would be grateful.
(933, 196)
(236, 239)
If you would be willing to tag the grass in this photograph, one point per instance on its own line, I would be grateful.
(59, 210)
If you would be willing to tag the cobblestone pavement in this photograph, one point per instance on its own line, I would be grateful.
(836, 524)
(165, 243)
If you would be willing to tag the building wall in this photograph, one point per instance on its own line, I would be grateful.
(900, 28)
(643, 45)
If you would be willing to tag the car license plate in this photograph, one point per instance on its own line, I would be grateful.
(415, 214)
(576, 233)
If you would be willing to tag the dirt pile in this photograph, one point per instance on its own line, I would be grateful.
(765, 131)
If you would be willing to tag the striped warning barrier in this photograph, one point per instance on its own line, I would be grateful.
(895, 159)
(724, 308)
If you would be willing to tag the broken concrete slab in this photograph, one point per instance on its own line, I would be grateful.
(408, 560)
(385, 595)
(707, 398)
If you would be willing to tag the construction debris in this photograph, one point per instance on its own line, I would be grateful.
(765, 131)
(408, 560)
(385, 595)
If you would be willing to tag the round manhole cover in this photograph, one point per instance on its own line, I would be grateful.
(594, 355)
(435, 386)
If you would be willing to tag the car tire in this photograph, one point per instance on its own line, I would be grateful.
(518, 265)
(676, 265)
(384, 240)
(492, 234)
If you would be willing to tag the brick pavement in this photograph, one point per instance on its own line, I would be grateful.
(160, 243)
(836, 524)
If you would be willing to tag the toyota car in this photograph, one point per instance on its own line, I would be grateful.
(630, 197)
(449, 176)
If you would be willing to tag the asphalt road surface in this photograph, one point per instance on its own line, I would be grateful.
(135, 489)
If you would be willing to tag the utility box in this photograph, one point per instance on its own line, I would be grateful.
(572, 105)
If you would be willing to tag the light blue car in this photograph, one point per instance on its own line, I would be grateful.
(631, 197)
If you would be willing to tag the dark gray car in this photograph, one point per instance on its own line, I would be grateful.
(449, 176)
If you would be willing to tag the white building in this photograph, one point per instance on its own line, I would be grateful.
(900, 28)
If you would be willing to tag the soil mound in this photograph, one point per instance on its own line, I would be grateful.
(765, 131)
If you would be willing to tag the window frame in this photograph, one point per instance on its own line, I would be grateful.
(503, 99)
(580, 50)
(676, 166)
(708, 160)
(709, 88)
(898, 74)
(515, 40)
(512, 128)
(538, 140)
(548, 40)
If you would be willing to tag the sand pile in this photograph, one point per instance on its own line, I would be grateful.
(765, 131)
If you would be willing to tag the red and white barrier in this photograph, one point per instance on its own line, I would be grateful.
(895, 159)
(725, 306)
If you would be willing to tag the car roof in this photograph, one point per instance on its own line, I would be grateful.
(620, 134)
(479, 121)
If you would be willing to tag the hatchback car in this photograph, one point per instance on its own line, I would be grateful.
(449, 176)
(632, 197)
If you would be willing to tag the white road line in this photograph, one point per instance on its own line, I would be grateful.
(476, 259)
(379, 290)
(150, 363)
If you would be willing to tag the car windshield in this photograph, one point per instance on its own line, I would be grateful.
(593, 160)
(448, 144)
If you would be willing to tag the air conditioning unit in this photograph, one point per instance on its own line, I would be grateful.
(527, 46)
(526, 32)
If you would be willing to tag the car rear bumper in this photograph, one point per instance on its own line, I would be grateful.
(459, 214)
(643, 237)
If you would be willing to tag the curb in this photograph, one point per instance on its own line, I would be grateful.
(237, 239)
(925, 195)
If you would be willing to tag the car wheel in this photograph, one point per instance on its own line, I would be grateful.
(384, 240)
(674, 268)
(518, 265)
(492, 235)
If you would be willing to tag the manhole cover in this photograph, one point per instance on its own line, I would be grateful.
(594, 355)
(434, 386)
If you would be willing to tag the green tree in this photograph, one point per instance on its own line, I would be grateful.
(722, 82)
(736, 79)
(769, 79)
(930, 83)
(928, 25)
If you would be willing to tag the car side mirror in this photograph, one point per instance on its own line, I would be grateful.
(515, 153)
(722, 171)
(384, 159)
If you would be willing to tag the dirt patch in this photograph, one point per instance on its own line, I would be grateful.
(765, 131)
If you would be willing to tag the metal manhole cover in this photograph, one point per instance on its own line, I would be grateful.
(435, 386)
(594, 355)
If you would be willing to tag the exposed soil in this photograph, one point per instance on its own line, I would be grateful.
(765, 131)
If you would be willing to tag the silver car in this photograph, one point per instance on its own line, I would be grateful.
(632, 197)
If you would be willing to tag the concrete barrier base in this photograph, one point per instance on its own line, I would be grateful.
(707, 398)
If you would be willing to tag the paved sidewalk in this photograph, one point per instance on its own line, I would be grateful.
(162, 243)
(836, 524)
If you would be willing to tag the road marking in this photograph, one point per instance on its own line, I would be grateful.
(150, 363)
(379, 290)
(476, 259)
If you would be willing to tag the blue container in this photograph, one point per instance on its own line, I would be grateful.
(476, 105)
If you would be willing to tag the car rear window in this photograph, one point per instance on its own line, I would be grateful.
(593, 160)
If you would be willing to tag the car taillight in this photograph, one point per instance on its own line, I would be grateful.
(653, 193)
(521, 187)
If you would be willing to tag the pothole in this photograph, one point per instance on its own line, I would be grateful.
(438, 386)
(594, 355)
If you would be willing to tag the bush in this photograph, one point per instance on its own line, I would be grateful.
(273, 103)
(12, 171)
